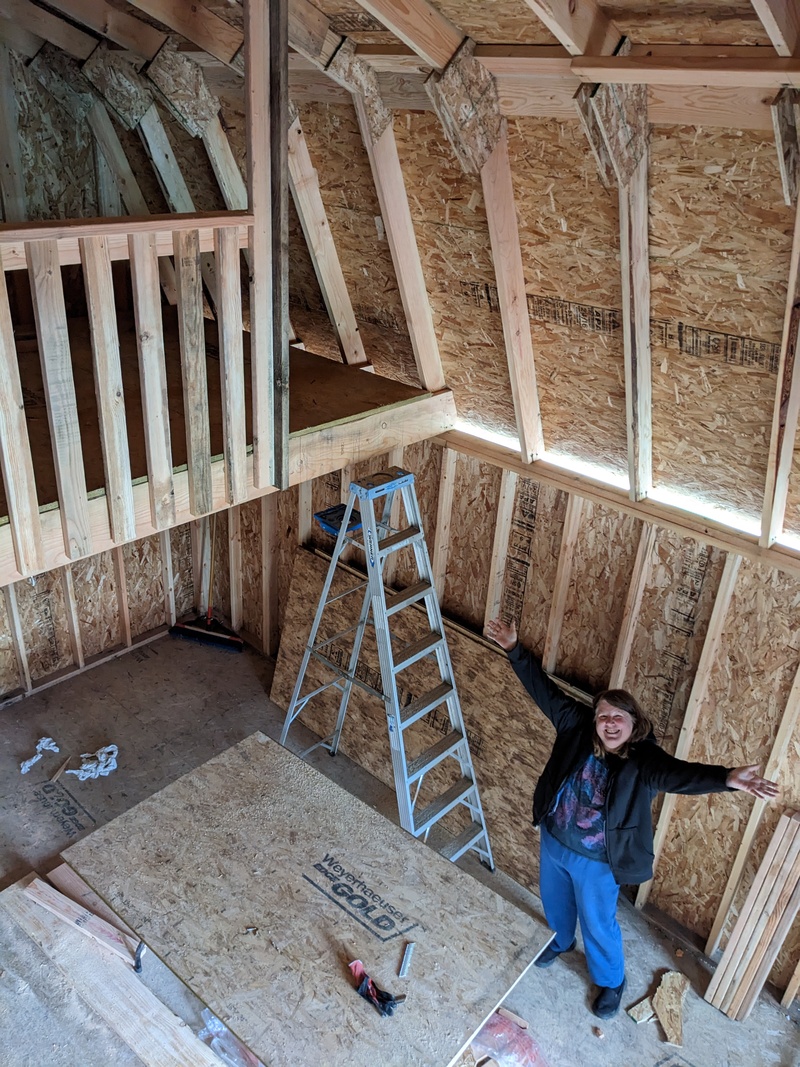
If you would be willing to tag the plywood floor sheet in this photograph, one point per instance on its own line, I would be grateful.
(257, 839)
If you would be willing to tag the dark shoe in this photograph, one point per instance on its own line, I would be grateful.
(608, 1000)
(550, 955)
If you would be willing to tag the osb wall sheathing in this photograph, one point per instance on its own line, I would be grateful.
(569, 235)
(536, 530)
(180, 540)
(250, 531)
(601, 572)
(749, 684)
(43, 623)
(10, 679)
(507, 753)
(475, 494)
(682, 582)
(221, 587)
(351, 204)
(97, 602)
(145, 584)
(453, 238)
(720, 238)
(326, 492)
(57, 153)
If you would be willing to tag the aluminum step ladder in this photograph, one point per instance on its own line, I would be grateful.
(378, 539)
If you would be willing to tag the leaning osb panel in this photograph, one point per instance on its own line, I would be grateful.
(57, 155)
(536, 531)
(601, 571)
(97, 603)
(682, 581)
(472, 524)
(453, 237)
(221, 588)
(749, 684)
(354, 215)
(424, 460)
(145, 584)
(487, 687)
(43, 621)
(9, 665)
(569, 236)
(250, 532)
(711, 22)
(720, 239)
(180, 539)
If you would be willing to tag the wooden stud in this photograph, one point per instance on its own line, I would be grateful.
(305, 512)
(231, 362)
(314, 222)
(193, 369)
(278, 99)
(777, 931)
(581, 27)
(122, 595)
(502, 534)
(73, 622)
(62, 406)
(198, 24)
(444, 514)
(387, 175)
(269, 574)
(226, 170)
(167, 576)
(791, 989)
(694, 704)
(501, 214)
(432, 36)
(99, 287)
(153, 378)
(635, 268)
(12, 184)
(633, 603)
(569, 538)
(235, 566)
(774, 765)
(16, 461)
(202, 559)
(781, 20)
(17, 638)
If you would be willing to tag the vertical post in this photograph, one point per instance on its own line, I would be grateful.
(122, 595)
(235, 566)
(12, 608)
(167, 577)
(502, 533)
(444, 513)
(73, 623)
(569, 538)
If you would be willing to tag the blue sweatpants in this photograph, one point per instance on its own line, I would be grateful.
(575, 887)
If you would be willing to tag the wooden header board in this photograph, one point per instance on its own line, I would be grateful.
(257, 881)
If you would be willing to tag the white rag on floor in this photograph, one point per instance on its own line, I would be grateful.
(104, 761)
(46, 744)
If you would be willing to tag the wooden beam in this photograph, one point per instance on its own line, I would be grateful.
(62, 407)
(153, 378)
(781, 20)
(432, 36)
(199, 24)
(310, 33)
(774, 766)
(12, 185)
(99, 286)
(786, 407)
(694, 705)
(19, 39)
(235, 566)
(107, 21)
(122, 596)
(270, 631)
(555, 620)
(231, 363)
(17, 639)
(44, 24)
(307, 198)
(19, 480)
(681, 70)
(167, 576)
(501, 214)
(633, 603)
(202, 555)
(191, 331)
(579, 25)
(502, 534)
(226, 170)
(791, 989)
(444, 513)
(635, 269)
(784, 120)
(399, 227)
(278, 112)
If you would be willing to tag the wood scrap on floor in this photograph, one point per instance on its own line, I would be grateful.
(642, 1011)
(668, 1005)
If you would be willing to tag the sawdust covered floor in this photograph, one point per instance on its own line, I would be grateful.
(172, 705)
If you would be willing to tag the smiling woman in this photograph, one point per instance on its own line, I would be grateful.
(593, 804)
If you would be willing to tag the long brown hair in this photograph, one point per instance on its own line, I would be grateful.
(622, 700)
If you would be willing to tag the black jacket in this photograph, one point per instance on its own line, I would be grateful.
(632, 783)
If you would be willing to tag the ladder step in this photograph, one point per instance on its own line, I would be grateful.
(418, 649)
(438, 808)
(456, 848)
(428, 759)
(422, 705)
(400, 540)
(414, 593)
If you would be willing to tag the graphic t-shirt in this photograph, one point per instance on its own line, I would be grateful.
(577, 818)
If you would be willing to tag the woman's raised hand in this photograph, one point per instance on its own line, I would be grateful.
(505, 634)
(750, 781)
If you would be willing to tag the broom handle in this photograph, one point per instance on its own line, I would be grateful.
(213, 530)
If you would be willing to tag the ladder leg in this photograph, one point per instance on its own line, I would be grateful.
(348, 684)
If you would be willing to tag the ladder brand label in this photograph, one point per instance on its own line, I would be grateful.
(356, 897)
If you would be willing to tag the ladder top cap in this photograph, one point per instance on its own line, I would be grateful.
(381, 482)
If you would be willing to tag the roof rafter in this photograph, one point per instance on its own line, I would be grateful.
(580, 25)
(781, 20)
(433, 37)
